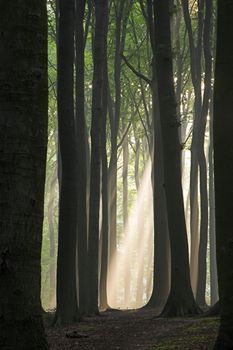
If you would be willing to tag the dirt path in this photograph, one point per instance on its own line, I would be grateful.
(132, 330)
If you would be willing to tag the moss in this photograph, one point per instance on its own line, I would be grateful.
(200, 334)
(85, 327)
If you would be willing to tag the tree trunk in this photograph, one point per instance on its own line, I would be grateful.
(223, 160)
(104, 167)
(52, 263)
(212, 231)
(23, 144)
(161, 275)
(67, 304)
(195, 61)
(122, 11)
(180, 301)
(81, 159)
(101, 10)
(161, 270)
(202, 268)
(128, 251)
(114, 125)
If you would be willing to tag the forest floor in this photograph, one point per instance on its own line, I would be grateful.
(132, 330)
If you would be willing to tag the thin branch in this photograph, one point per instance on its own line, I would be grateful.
(124, 135)
(140, 75)
(187, 138)
(131, 145)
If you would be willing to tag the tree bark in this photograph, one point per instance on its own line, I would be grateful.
(104, 168)
(52, 263)
(101, 10)
(81, 158)
(122, 11)
(161, 271)
(195, 61)
(180, 301)
(212, 229)
(67, 303)
(202, 268)
(223, 160)
(23, 145)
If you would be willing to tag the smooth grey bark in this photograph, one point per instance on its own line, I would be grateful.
(161, 274)
(23, 146)
(101, 10)
(52, 263)
(104, 167)
(212, 230)
(128, 252)
(198, 159)
(67, 303)
(114, 126)
(180, 301)
(202, 268)
(223, 161)
(81, 158)
(140, 289)
(161, 271)
(195, 60)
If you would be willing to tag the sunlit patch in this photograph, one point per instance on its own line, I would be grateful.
(129, 275)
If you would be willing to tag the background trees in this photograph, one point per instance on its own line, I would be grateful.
(133, 246)
(23, 144)
(180, 300)
(132, 86)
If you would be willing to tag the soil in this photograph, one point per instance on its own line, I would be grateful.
(132, 330)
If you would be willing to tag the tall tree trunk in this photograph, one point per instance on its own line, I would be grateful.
(81, 159)
(128, 251)
(201, 286)
(212, 231)
(104, 167)
(161, 274)
(180, 300)
(101, 10)
(23, 144)
(114, 124)
(67, 305)
(52, 264)
(161, 271)
(223, 160)
(122, 10)
(195, 60)
(139, 285)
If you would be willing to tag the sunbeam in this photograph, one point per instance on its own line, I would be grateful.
(133, 250)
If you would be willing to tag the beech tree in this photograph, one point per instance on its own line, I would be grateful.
(101, 10)
(223, 160)
(67, 303)
(104, 182)
(180, 300)
(121, 120)
(81, 157)
(23, 144)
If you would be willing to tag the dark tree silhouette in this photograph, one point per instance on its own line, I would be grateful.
(23, 144)
(101, 8)
(67, 305)
(81, 157)
(223, 158)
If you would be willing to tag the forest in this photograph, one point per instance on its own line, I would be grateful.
(116, 174)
